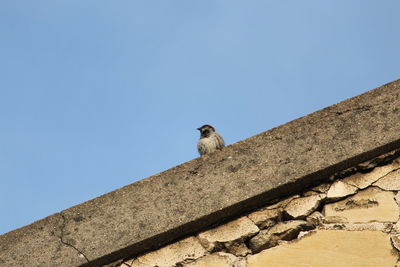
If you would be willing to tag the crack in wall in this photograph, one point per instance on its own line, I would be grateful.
(384, 176)
(126, 263)
(66, 243)
(396, 249)
(363, 108)
(392, 157)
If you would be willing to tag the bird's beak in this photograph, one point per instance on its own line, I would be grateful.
(198, 129)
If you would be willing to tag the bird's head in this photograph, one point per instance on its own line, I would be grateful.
(206, 130)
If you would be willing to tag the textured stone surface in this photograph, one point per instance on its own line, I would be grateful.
(327, 248)
(396, 227)
(315, 218)
(397, 198)
(340, 189)
(396, 241)
(390, 182)
(334, 219)
(39, 244)
(133, 263)
(170, 255)
(299, 208)
(207, 190)
(322, 188)
(374, 226)
(363, 180)
(370, 205)
(219, 259)
(238, 249)
(265, 218)
(227, 234)
(282, 203)
(282, 231)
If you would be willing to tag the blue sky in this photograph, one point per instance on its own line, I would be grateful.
(95, 94)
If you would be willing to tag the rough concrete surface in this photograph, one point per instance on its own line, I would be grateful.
(213, 188)
(39, 244)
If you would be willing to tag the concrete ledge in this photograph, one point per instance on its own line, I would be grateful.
(211, 189)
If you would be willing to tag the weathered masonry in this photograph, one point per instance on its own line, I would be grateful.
(352, 220)
(322, 190)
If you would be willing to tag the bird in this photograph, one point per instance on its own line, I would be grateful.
(209, 140)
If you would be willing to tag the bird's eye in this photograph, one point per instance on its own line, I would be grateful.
(206, 131)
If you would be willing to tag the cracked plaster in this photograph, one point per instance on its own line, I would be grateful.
(283, 235)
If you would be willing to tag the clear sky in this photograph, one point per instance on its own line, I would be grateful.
(95, 94)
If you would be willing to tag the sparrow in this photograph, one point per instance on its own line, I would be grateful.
(209, 140)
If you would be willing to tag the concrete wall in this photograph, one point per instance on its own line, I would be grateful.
(352, 221)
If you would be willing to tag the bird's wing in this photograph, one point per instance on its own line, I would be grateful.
(202, 148)
(220, 141)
